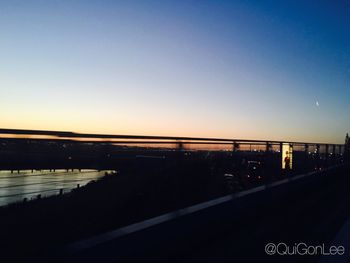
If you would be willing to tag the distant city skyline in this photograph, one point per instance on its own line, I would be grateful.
(277, 70)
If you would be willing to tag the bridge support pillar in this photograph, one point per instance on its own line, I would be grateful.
(268, 147)
(281, 154)
(235, 146)
(318, 151)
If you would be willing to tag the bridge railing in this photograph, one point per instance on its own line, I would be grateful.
(56, 149)
(156, 141)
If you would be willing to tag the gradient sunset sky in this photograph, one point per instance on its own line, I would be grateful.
(234, 69)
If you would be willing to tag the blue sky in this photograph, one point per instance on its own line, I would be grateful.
(236, 69)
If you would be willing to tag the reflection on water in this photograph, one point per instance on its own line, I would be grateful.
(27, 184)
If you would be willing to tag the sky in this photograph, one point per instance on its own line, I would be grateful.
(274, 70)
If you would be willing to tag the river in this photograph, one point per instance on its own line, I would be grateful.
(16, 186)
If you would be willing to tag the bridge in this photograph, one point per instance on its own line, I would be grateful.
(177, 199)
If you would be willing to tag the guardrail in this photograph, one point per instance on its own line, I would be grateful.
(144, 139)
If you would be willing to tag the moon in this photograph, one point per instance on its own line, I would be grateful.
(317, 104)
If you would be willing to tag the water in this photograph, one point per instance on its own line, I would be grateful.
(16, 186)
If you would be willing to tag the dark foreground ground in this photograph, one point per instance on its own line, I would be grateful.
(310, 213)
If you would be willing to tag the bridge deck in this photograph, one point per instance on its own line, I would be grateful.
(310, 210)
